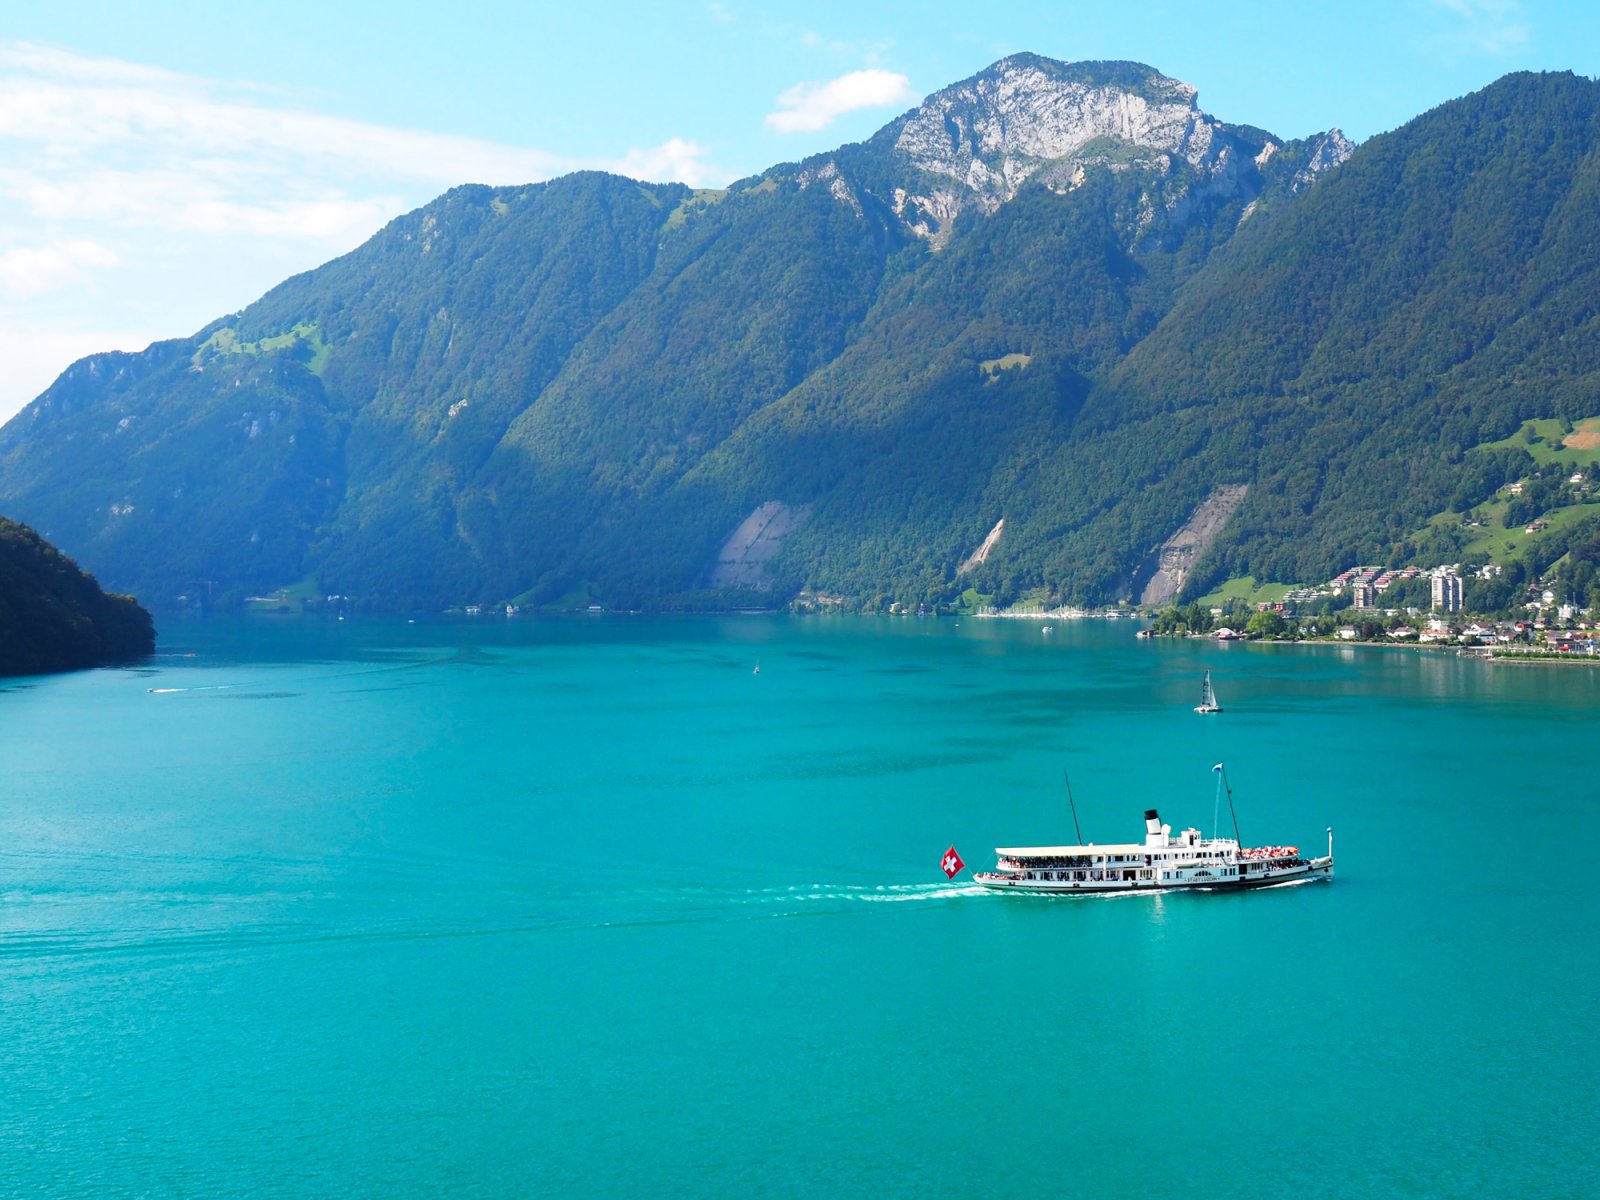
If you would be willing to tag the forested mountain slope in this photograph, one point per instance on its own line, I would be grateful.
(1061, 294)
(1347, 353)
(53, 617)
(343, 415)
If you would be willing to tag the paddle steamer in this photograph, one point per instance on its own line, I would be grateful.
(1160, 863)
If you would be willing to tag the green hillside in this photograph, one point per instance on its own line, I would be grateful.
(1349, 352)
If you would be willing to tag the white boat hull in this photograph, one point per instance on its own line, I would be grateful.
(1197, 880)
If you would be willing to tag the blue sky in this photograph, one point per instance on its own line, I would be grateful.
(162, 164)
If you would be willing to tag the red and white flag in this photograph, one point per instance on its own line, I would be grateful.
(951, 864)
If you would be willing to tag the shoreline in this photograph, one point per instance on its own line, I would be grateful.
(1060, 614)
(1529, 658)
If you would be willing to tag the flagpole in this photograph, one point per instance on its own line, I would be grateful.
(1221, 773)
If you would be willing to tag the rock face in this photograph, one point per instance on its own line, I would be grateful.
(976, 143)
(1327, 152)
(981, 555)
(742, 561)
(1180, 552)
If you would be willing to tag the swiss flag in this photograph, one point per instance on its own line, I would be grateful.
(951, 864)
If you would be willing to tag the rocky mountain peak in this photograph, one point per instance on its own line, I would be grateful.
(1327, 152)
(1033, 118)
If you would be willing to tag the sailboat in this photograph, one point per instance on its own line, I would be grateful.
(1208, 697)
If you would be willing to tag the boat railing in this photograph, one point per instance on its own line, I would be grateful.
(1072, 875)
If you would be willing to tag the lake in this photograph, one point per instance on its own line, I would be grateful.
(489, 908)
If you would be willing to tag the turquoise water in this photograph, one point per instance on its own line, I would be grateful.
(493, 908)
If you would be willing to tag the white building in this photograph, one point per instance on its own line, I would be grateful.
(1446, 590)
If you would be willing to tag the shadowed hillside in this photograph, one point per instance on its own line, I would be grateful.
(53, 617)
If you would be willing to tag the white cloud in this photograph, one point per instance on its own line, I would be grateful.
(132, 196)
(206, 198)
(809, 107)
(676, 160)
(101, 140)
(1493, 27)
(68, 107)
(48, 60)
(33, 270)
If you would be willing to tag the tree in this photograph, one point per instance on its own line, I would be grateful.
(1266, 623)
(1197, 618)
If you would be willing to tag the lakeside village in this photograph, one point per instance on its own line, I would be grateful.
(1406, 606)
(1543, 603)
(1348, 608)
(1410, 605)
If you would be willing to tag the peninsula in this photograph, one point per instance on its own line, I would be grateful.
(53, 617)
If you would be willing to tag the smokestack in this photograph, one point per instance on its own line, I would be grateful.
(1155, 833)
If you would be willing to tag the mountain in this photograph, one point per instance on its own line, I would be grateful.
(1056, 312)
(53, 617)
(1349, 355)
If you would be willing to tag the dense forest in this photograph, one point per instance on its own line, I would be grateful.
(1432, 294)
(53, 617)
(575, 391)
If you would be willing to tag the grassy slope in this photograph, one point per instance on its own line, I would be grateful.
(1248, 590)
(1493, 541)
(1547, 445)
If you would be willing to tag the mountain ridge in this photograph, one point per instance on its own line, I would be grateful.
(582, 389)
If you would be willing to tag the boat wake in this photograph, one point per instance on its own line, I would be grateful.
(458, 657)
(1300, 882)
(889, 893)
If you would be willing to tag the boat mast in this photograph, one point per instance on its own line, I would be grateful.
(1224, 785)
(1074, 804)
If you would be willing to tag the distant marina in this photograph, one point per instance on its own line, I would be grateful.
(1056, 614)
